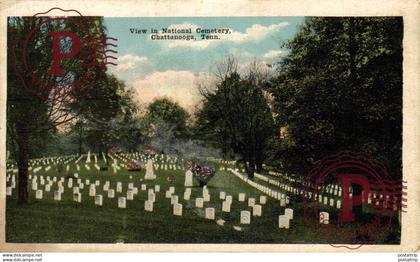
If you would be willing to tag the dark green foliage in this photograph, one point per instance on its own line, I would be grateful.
(237, 119)
(341, 88)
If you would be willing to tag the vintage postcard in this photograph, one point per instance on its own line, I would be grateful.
(210, 126)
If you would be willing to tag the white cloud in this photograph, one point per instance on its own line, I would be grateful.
(255, 33)
(128, 62)
(178, 85)
(274, 54)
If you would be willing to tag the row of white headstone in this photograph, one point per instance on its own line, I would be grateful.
(284, 199)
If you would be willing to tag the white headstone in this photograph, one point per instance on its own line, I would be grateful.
(119, 187)
(38, 194)
(57, 195)
(199, 202)
(92, 191)
(241, 197)
(8, 191)
(282, 202)
(226, 206)
(338, 204)
(284, 221)
(135, 190)
(168, 194)
(263, 200)
(289, 213)
(47, 188)
(34, 185)
(324, 218)
(222, 195)
(143, 187)
(97, 183)
(98, 200)
(111, 193)
(157, 188)
(257, 210)
(206, 197)
(187, 195)
(151, 196)
(251, 202)
(229, 199)
(174, 199)
(77, 197)
(150, 175)
(172, 189)
(148, 206)
(210, 213)
(122, 202)
(245, 217)
(178, 209)
(188, 178)
(76, 190)
(130, 194)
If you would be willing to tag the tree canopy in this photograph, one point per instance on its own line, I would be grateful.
(339, 88)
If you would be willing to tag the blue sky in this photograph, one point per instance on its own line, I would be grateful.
(172, 67)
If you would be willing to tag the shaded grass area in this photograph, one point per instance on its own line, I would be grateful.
(49, 221)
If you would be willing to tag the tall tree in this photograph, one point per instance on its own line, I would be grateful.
(170, 112)
(30, 118)
(236, 116)
(341, 88)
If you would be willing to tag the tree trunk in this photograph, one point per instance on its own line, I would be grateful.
(23, 141)
(250, 168)
(80, 140)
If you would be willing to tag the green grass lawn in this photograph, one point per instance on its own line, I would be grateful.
(49, 221)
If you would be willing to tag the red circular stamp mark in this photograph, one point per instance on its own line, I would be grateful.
(351, 200)
(76, 62)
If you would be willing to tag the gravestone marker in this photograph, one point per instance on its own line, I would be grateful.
(245, 217)
(77, 197)
(98, 200)
(38, 194)
(229, 199)
(130, 194)
(251, 202)
(284, 221)
(257, 210)
(148, 206)
(188, 178)
(157, 188)
(324, 218)
(226, 206)
(122, 202)
(149, 170)
(210, 213)
(57, 195)
(289, 213)
(199, 202)
(111, 193)
(178, 209)
(174, 199)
